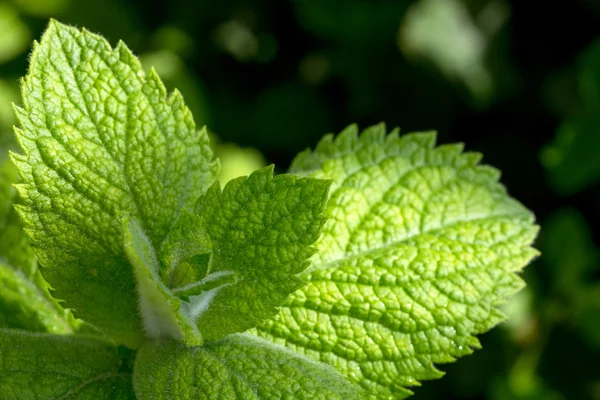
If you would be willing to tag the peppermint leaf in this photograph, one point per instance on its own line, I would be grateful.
(42, 366)
(262, 229)
(101, 139)
(240, 367)
(421, 245)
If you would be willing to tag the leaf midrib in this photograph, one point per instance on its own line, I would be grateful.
(386, 246)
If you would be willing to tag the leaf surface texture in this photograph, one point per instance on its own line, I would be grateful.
(42, 366)
(101, 139)
(421, 244)
(241, 367)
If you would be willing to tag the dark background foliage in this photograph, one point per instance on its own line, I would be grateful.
(516, 80)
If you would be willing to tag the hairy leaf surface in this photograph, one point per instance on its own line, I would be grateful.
(160, 309)
(42, 366)
(241, 367)
(421, 244)
(101, 139)
(262, 229)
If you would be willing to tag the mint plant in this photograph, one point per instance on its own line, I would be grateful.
(376, 257)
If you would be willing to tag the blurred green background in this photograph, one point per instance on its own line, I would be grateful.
(516, 80)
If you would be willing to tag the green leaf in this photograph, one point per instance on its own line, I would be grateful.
(186, 251)
(15, 248)
(8, 176)
(420, 246)
(25, 304)
(101, 139)
(42, 366)
(240, 367)
(228, 266)
(159, 308)
(262, 229)
(14, 245)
